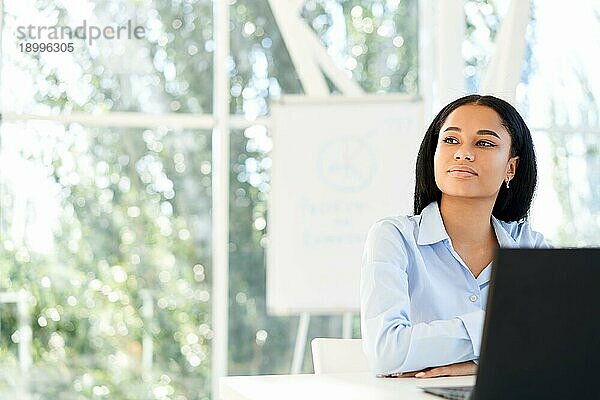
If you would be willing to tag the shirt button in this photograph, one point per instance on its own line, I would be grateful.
(473, 298)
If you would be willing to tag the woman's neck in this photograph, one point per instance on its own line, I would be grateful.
(468, 221)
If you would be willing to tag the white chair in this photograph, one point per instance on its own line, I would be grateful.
(338, 356)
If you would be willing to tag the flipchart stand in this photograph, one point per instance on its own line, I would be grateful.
(300, 347)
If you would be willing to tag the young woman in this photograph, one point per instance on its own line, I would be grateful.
(424, 278)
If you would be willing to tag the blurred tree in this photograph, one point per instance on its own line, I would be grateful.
(134, 204)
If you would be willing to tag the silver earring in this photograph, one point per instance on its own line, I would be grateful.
(507, 181)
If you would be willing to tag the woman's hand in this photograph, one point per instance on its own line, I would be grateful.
(463, 368)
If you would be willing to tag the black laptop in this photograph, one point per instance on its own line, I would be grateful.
(541, 338)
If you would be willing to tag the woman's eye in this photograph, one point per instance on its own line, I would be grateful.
(482, 143)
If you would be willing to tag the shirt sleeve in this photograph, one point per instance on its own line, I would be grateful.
(391, 341)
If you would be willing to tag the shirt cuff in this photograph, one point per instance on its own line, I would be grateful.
(473, 323)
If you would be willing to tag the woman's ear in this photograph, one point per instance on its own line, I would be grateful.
(511, 169)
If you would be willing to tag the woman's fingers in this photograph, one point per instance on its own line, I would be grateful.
(464, 368)
(412, 374)
(432, 373)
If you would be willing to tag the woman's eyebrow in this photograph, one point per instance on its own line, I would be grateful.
(479, 132)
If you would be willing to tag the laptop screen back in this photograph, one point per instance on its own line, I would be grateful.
(542, 330)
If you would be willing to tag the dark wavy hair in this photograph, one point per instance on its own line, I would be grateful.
(511, 204)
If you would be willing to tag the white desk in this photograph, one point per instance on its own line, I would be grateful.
(359, 386)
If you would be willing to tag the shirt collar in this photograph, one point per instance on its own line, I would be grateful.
(503, 236)
(432, 230)
(431, 227)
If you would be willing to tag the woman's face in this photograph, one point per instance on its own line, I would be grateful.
(473, 139)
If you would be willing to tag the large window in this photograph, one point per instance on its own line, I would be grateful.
(560, 94)
(108, 231)
(373, 42)
(105, 225)
(105, 219)
(558, 97)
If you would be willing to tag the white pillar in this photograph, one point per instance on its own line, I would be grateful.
(299, 349)
(426, 54)
(504, 70)
(220, 195)
(449, 62)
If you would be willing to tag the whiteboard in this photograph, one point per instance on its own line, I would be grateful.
(338, 166)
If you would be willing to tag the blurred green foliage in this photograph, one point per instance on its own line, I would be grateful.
(132, 206)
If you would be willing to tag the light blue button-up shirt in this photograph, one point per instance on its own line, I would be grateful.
(420, 304)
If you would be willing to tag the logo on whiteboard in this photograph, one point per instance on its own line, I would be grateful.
(347, 163)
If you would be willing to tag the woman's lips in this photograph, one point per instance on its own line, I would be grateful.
(461, 174)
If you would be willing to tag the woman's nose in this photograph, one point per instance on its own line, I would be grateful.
(464, 154)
